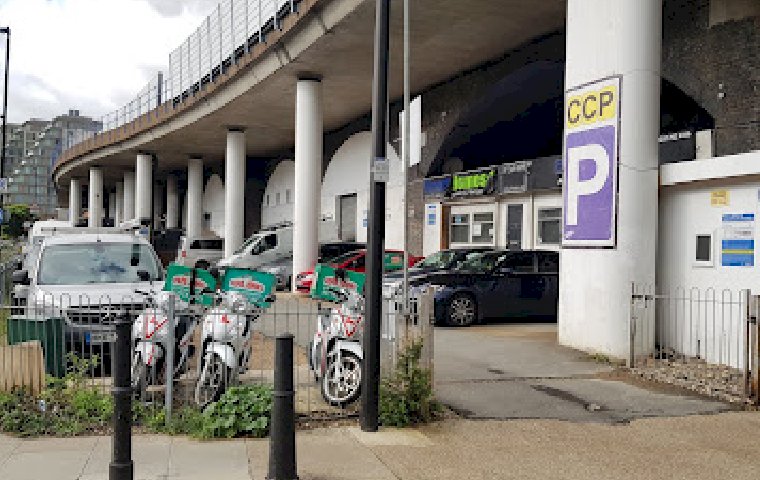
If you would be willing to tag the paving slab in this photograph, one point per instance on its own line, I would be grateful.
(151, 454)
(191, 459)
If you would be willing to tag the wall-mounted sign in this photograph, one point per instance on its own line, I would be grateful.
(431, 214)
(513, 177)
(738, 244)
(719, 198)
(476, 183)
(592, 114)
(436, 187)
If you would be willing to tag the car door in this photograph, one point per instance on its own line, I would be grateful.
(516, 290)
(548, 272)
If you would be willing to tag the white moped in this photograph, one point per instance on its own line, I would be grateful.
(336, 352)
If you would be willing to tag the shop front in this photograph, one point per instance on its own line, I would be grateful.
(514, 206)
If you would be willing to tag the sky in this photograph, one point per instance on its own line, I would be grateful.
(90, 55)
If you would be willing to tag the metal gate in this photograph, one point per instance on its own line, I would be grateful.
(348, 218)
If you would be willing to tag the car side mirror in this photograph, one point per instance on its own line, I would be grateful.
(143, 275)
(20, 277)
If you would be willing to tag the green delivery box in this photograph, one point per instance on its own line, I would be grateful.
(178, 281)
(256, 286)
(325, 281)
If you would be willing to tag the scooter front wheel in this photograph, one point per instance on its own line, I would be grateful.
(212, 382)
(341, 384)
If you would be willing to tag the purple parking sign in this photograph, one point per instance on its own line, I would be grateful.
(590, 166)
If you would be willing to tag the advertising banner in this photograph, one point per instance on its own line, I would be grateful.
(592, 114)
(738, 245)
(256, 286)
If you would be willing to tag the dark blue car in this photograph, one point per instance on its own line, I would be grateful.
(499, 284)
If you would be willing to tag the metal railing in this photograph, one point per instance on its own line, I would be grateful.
(699, 339)
(57, 335)
(222, 38)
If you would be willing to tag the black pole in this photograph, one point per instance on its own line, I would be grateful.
(375, 245)
(282, 441)
(122, 467)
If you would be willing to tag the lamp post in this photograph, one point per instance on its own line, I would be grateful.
(7, 32)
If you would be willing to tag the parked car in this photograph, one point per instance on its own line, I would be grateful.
(210, 249)
(355, 262)
(495, 284)
(441, 261)
(262, 248)
(282, 267)
(80, 278)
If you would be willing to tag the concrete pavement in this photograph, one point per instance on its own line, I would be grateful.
(722, 446)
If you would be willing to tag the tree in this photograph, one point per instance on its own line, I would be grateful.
(15, 217)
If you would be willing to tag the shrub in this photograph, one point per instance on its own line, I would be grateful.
(243, 410)
(406, 397)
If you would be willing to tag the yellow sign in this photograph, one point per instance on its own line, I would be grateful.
(592, 106)
(719, 198)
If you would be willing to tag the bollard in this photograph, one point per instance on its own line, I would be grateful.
(121, 466)
(282, 440)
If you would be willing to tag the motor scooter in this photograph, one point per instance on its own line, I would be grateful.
(336, 352)
(226, 339)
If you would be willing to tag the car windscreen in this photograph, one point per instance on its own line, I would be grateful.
(247, 243)
(481, 262)
(341, 259)
(207, 244)
(438, 261)
(91, 263)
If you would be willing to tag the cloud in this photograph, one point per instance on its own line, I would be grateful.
(93, 55)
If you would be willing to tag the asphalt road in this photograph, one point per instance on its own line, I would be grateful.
(510, 370)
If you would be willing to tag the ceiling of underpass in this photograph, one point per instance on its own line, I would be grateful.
(448, 37)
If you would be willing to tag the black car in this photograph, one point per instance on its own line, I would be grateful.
(437, 262)
(495, 284)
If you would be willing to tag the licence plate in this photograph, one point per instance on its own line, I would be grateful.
(99, 337)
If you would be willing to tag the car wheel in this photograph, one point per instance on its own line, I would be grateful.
(462, 310)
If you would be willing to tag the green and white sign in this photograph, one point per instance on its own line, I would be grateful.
(326, 283)
(256, 286)
(178, 279)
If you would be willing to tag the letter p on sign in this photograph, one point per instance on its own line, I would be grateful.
(590, 169)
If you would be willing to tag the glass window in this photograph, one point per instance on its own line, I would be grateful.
(549, 221)
(548, 262)
(482, 227)
(481, 262)
(703, 249)
(80, 264)
(438, 261)
(277, 199)
(340, 260)
(288, 199)
(460, 228)
(267, 202)
(521, 262)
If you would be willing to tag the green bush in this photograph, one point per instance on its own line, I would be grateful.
(241, 411)
(406, 397)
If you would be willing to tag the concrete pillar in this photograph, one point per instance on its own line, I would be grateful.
(128, 202)
(75, 200)
(143, 187)
(234, 191)
(172, 202)
(308, 175)
(95, 203)
(606, 39)
(157, 205)
(194, 197)
(119, 204)
(112, 205)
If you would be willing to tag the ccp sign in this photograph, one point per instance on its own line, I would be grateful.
(590, 164)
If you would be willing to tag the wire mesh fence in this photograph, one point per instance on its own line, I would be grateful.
(211, 347)
(700, 339)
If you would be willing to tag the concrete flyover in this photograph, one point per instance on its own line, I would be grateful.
(327, 39)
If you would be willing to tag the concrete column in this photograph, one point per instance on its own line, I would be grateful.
(194, 197)
(605, 39)
(119, 204)
(95, 203)
(128, 202)
(234, 191)
(143, 187)
(308, 175)
(112, 205)
(172, 202)
(75, 200)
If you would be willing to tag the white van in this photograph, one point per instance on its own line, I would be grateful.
(262, 248)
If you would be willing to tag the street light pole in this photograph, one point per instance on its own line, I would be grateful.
(375, 246)
(406, 144)
(7, 32)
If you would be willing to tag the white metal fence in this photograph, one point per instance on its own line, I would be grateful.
(701, 339)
